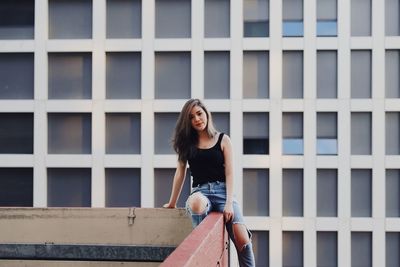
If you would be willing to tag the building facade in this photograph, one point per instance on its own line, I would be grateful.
(308, 90)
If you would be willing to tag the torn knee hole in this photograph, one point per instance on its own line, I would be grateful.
(198, 203)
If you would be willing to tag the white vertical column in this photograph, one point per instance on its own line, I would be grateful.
(197, 71)
(378, 133)
(147, 116)
(236, 57)
(344, 134)
(40, 96)
(98, 96)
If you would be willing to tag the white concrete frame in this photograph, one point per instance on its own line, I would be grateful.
(378, 224)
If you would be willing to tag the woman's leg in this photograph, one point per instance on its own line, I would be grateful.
(198, 206)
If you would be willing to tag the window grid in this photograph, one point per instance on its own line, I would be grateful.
(97, 46)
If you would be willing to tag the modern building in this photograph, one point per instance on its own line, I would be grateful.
(308, 90)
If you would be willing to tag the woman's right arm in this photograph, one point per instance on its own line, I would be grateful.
(177, 185)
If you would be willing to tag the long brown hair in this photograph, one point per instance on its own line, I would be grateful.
(185, 138)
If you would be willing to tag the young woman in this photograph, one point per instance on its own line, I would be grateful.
(209, 155)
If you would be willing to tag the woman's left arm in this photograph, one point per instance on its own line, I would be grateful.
(228, 157)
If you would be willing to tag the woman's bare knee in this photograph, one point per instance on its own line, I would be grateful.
(197, 203)
(241, 235)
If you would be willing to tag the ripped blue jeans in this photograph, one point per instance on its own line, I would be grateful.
(215, 193)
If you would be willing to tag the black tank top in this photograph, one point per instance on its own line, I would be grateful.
(207, 165)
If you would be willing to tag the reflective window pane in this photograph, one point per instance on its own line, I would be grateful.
(124, 18)
(327, 193)
(16, 133)
(70, 19)
(361, 74)
(361, 249)
(122, 187)
(69, 133)
(69, 187)
(123, 133)
(392, 70)
(292, 129)
(327, 74)
(163, 131)
(216, 75)
(255, 192)
(255, 74)
(173, 18)
(14, 66)
(326, 133)
(16, 187)
(361, 193)
(172, 75)
(361, 14)
(292, 18)
(326, 17)
(163, 179)
(70, 76)
(123, 75)
(292, 74)
(17, 19)
(292, 249)
(361, 133)
(256, 18)
(327, 252)
(392, 133)
(392, 249)
(292, 185)
(221, 122)
(392, 17)
(217, 18)
(392, 193)
(260, 240)
(255, 133)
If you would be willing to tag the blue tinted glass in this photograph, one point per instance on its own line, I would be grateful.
(293, 28)
(326, 146)
(256, 28)
(327, 28)
(292, 146)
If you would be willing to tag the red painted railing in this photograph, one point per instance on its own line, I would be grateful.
(207, 245)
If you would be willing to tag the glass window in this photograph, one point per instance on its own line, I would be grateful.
(172, 75)
(392, 249)
(327, 253)
(70, 19)
(255, 192)
(163, 179)
(361, 74)
(361, 249)
(292, 74)
(292, 249)
(361, 15)
(123, 80)
(327, 74)
(13, 66)
(292, 129)
(122, 187)
(327, 133)
(260, 240)
(124, 18)
(255, 74)
(123, 133)
(70, 76)
(392, 133)
(292, 18)
(216, 75)
(17, 19)
(256, 18)
(392, 17)
(173, 18)
(221, 122)
(16, 187)
(361, 133)
(255, 133)
(327, 192)
(392, 193)
(69, 187)
(163, 131)
(326, 17)
(69, 133)
(292, 186)
(361, 193)
(16, 133)
(392, 70)
(217, 18)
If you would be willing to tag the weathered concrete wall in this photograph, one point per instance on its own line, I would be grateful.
(94, 226)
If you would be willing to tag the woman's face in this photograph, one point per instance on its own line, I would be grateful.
(198, 118)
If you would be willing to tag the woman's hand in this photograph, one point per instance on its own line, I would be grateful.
(169, 206)
(228, 212)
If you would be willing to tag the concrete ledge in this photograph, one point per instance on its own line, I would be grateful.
(207, 245)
